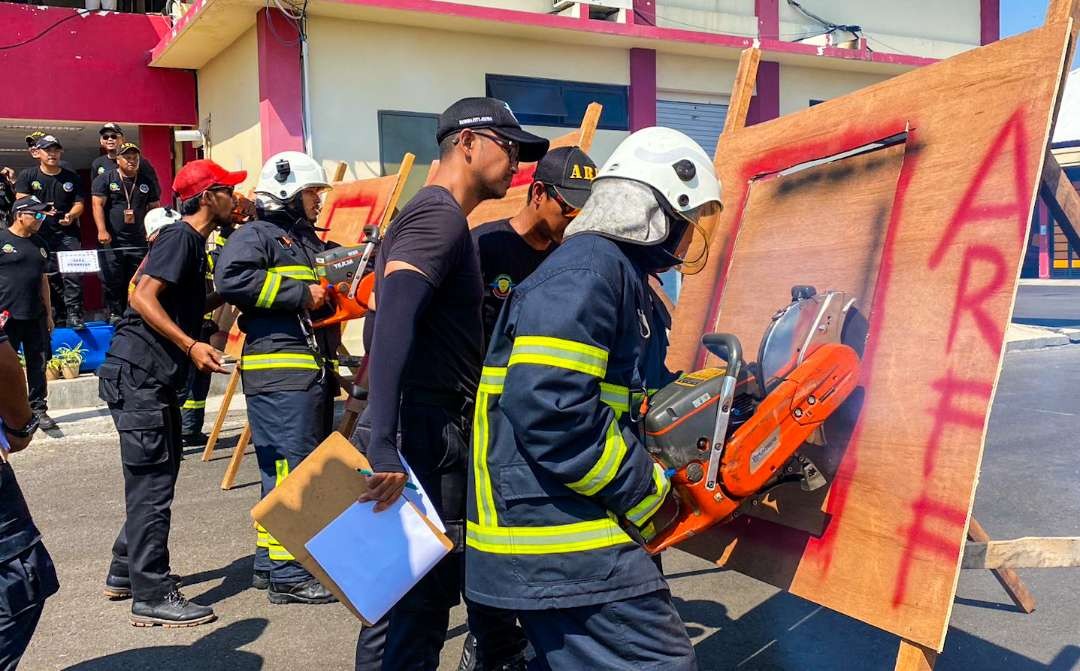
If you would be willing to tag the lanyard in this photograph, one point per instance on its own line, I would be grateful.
(134, 183)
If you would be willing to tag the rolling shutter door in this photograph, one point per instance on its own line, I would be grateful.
(701, 121)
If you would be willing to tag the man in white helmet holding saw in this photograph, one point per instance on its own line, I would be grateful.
(268, 271)
(561, 488)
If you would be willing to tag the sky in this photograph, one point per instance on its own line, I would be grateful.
(1020, 15)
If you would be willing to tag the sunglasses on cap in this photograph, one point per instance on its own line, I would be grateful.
(569, 211)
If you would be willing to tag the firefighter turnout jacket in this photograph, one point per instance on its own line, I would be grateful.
(265, 270)
(559, 472)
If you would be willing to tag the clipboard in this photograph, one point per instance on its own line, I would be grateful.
(315, 494)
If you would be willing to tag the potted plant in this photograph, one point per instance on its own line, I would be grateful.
(52, 369)
(71, 359)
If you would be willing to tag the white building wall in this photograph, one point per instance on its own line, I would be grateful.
(229, 94)
(798, 86)
(359, 68)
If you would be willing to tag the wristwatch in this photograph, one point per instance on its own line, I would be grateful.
(27, 430)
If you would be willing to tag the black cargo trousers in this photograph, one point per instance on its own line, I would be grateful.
(436, 433)
(147, 417)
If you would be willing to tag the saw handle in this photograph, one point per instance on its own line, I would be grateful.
(727, 347)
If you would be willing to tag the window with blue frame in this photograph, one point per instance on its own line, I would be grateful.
(552, 102)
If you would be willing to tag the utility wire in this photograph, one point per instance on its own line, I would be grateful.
(799, 36)
(79, 13)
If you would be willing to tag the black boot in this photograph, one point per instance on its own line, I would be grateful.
(118, 588)
(172, 611)
(310, 591)
(46, 423)
(260, 579)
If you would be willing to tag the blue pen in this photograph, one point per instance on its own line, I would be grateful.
(364, 471)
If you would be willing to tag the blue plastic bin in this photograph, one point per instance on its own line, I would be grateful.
(95, 339)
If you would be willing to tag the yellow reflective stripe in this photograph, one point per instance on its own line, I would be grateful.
(485, 499)
(548, 351)
(281, 468)
(269, 290)
(294, 272)
(492, 379)
(278, 552)
(577, 537)
(616, 396)
(192, 404)
(605, 468)
(281, 360)
(641, 513)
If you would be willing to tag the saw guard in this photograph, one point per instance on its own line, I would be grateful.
(346, 308)
(782, 422)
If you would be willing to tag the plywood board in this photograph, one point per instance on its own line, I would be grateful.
(934, 266)
(350, 206)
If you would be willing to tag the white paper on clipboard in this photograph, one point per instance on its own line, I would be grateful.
(419, 498)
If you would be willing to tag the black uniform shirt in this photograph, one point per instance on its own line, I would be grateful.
(177, 258)
(121, 193)
(431, 233)
(61, 189)
(103, 164)
(22, 263)
(505, 260)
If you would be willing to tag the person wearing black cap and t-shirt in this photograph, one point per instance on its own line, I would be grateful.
(111, 139)
(425, 358)
(51, 182)
(510, 249)
(121, 198)
(24, 295)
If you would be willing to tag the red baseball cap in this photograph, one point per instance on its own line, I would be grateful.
(198, 176)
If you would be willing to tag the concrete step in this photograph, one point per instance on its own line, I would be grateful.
(82, 392)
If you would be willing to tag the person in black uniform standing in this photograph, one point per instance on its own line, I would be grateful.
(27, 574)
(425, 367)
(511, 249)
(53, 183)
(121, 198)
(144, 372)
(7, 195)
(267, 270)
(24, 295)
(111, 138)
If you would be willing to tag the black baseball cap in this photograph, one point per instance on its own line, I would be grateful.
(128, 146)
(46, 141)
(570, 171)
(494, 114)
(30, 204)
(32, 139)
(110, 128)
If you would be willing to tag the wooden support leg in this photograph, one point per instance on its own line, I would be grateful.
(1012, 583)
(219, 421)
(914, 657)
(238, 456)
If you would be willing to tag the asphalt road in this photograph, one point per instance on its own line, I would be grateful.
(1028, 487)
(1055, 305)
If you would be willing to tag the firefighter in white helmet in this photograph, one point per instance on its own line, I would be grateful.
(561, 489)
(268, 271)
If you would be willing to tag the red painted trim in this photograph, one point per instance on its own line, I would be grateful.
(642, 88)
(765, 105)
(78, 65)
(990, 21)
(768, 18)
(636, 30)
(156, 143)
(281, 91)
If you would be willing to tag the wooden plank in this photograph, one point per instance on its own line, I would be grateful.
(589, 122)
(742, 91)
(936, 300)
(339, 172)
(914, 657)
(223, 411)
(1009, 580)
(229, 480)
(392, 203)
(1061, 198)
(1027, 552)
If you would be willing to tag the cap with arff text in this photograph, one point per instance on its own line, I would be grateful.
(200, 175)
(32, 138)
(494, 114)
(128, 146)
(570, 171)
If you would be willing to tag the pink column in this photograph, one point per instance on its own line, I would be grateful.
(1045, 237)
(765, 104)
(281, 109)
(768, 19)
(990, 20)
(156, 143)
(642, 88)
